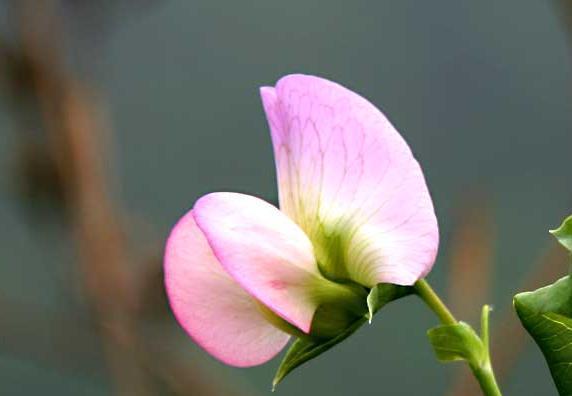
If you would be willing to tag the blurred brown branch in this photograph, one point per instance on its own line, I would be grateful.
(471, 256)
(72, 126)
(564, 11)
(75, 147)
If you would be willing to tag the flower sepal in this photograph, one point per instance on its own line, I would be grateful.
(383, 294)
(339, 305)
(331, 325)
(307, 348)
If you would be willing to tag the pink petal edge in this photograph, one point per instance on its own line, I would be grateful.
(213, 309)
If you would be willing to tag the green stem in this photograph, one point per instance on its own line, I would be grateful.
(486, 377)
(485, 328)
(427, 294)
(483, 370)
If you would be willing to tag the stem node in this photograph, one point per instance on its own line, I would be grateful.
(482, 370)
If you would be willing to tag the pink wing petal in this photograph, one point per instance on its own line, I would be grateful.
(346, 176)
(265, 252)
(212, 308)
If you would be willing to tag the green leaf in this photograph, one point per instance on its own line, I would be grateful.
(304, 349)
(457, 342)
(383, 294)
(564, 233)
(547, 315)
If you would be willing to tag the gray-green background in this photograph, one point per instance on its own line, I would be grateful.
(480, 89)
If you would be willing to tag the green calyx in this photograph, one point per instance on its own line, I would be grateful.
(280, 323)
(339, 305)
(332, 318)
(331, 325)
(305, 349)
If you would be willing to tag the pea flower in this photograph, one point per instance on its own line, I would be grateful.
(242, 276)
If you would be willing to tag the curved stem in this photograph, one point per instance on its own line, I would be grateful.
(482, 371)
(427, 294)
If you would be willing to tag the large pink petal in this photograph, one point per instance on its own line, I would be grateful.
(350, 181)
(266, 253)
(212, 308)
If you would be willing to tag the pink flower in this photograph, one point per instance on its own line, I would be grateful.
(242, 276)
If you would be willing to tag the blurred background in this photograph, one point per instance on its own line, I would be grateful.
(116, 115)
